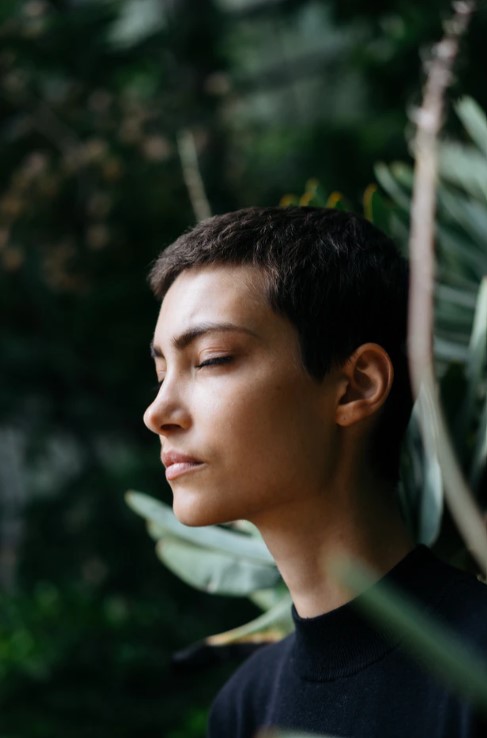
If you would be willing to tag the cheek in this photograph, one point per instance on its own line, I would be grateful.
(265, 427)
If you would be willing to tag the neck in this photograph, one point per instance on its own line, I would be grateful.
(360, 521)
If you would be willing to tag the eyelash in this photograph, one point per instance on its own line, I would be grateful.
(215, 361)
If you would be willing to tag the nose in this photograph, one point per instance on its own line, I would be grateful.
(167, 412)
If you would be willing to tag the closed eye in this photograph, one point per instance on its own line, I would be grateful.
(215, 361)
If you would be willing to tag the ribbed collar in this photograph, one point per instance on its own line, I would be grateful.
(342, 642)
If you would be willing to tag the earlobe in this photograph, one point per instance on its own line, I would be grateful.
(368, 375)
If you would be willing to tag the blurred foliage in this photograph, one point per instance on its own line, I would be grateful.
(93, 96)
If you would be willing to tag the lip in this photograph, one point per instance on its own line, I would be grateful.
(178, 464)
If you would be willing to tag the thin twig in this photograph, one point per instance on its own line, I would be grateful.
(428, 121)
(192, 175)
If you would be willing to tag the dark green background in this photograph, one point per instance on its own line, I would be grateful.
(91, 190)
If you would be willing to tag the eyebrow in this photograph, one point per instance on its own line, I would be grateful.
(185, 339)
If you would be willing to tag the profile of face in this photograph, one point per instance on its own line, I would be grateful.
(245, 431)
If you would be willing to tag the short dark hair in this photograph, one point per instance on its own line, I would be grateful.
(338, 279)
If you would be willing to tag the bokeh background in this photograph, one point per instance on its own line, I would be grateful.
(121, 123)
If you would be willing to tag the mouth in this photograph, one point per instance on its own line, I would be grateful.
(180, 468)
(178, 464)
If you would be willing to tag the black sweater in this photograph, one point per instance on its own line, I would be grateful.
(338, 675)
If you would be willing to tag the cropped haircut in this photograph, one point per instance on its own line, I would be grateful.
(337, 278)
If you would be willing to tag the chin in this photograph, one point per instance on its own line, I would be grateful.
(194, 515)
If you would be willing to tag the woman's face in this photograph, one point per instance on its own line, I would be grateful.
(244, 429)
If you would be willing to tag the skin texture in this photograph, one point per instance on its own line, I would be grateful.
(273, 445)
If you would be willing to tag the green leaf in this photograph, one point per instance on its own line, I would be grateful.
(278, 618)
(431, 500)
(389, 182)
(476, 363)
(162, 522)
(449, 351)
(480, 453)
(469, 214)
(433, 644)
(213, 571)
(474, 121)
(461, 165)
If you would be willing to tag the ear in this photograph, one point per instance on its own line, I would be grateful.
(368, 375)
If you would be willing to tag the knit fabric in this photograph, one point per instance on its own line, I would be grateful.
(339, 675)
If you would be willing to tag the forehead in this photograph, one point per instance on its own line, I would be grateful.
(230, 293)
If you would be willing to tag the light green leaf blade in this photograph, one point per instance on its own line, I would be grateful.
(461, 165)
(449, 350)
(431, 510)
(214, 571)
(388, 181)
(470, 215)
(474, 121)
(278, 619)
(480, 453)
(476, 363)
(162, 521)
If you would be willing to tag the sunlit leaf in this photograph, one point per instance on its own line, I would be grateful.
(278, 620)
(162, 521)
(214, 571)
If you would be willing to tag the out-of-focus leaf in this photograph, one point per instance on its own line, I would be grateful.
(465, 264)
(214, 571)
(474, 121)
(386, 179)
(162, 521)
(436, 647)
(376, 209)
(403, 174)
(278, 620)
(464, 298)
(431, 501)
(461, 165)
(480, 453)
(477, 360)
(469, 214)
(266, 599)
(449, 351)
